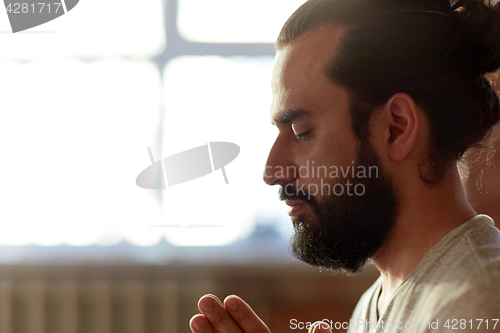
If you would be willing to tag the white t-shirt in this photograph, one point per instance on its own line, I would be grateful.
(455, 288)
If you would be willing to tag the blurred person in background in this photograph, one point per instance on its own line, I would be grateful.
(483, 188)
(398, 86)
(482, 183)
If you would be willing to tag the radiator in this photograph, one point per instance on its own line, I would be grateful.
(73, 306)
(162, 299)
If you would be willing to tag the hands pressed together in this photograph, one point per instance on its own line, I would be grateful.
(232, 316)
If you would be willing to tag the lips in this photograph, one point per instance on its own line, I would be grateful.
(297, 207)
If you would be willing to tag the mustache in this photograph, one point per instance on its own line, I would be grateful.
(290, 191)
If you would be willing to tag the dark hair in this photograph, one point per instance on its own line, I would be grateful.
(432, 50)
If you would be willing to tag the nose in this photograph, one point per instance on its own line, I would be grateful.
(279, 168)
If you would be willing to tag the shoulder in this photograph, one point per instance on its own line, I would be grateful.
(469, 256)
(479, 254)
(465, 281)
(474, 311)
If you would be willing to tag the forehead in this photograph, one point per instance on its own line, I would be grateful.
(299, 73)
(311, 51)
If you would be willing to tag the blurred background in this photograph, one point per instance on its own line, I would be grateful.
(82, 247)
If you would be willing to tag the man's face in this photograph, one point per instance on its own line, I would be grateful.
(342, 203)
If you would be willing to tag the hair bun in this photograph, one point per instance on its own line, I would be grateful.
(482, 21)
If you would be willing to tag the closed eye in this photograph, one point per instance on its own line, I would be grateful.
(301, 137)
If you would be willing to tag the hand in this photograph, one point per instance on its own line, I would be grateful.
(234, 316)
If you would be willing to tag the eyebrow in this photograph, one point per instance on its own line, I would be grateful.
(291, 115)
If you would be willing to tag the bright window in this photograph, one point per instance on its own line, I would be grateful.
(219, 99)
(234, 21)
(72, 135)
(93, 28)
(85, 95)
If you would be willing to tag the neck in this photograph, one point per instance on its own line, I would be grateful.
(426, 215)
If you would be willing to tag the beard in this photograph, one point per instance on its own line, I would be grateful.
(344, 231)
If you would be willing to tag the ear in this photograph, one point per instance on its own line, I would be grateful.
(403, 123)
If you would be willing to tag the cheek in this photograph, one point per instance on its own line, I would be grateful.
(336, 147)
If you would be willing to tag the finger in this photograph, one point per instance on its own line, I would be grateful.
(199, 324)
(244, 316)
(214, 311)
(320, 327)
